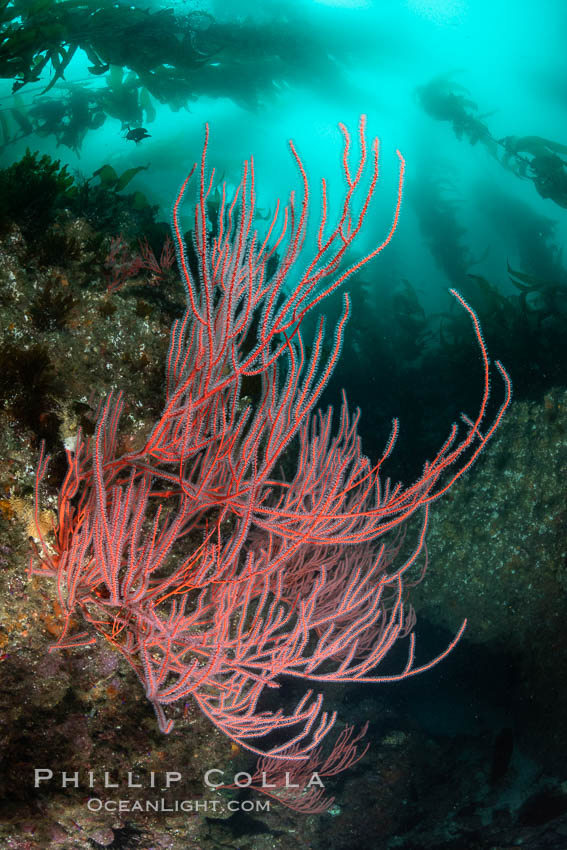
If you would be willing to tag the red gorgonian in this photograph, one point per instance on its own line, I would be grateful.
(213, 573)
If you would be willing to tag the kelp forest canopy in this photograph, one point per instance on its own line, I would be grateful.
(145, 56)
(148, 56)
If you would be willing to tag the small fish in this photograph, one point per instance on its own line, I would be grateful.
(137, 134)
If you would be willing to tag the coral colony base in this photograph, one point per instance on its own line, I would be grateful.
(211, 571)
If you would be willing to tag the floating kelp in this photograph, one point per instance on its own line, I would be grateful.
(146, 55)
(543, 161)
